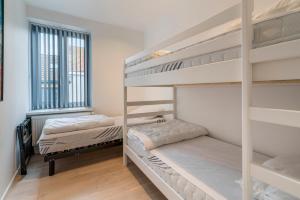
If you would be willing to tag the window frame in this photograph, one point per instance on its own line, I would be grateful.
(54, 25)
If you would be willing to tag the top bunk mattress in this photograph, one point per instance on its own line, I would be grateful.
(278, 24)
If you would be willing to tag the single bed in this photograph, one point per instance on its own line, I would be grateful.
(68, 136)
(202, 168)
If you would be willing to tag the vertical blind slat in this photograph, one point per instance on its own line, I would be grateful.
(77, 84)
(80, 72)
(48, 69)
(39, 72)
(60, 69)
(74, 70)
(45, 69)
(54, 70)
(59, 65)
(71, 69)
(44, 77)
(33, 64)
(85, 70)
(88, 75)
(66, 69)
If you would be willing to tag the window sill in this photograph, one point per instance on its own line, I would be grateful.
(58, 111)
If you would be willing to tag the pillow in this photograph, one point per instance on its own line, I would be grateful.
(279, 8)
(286, 165)
(155, 135)
(281, 163)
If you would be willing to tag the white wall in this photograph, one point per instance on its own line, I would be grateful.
(219, 107)
(188, 13)
(110, 46)
(14, 107)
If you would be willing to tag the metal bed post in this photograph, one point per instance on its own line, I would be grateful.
(247, 32)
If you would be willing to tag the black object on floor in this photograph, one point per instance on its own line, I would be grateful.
(24, 136)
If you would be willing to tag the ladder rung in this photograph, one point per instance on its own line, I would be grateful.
(284, 183)
(276, 116)
(143, 103)
(149, 114)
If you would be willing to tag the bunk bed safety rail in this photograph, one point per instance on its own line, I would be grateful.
(229, 40)
(149, 114)
(221, 18)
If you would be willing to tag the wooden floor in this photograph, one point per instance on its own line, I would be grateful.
(98, 175)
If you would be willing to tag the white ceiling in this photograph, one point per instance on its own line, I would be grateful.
(158, 19)
(134, 14)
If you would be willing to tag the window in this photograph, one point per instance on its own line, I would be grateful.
(59, 68)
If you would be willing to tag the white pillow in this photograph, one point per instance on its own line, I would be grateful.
(281, 163)
(279, 8)
(156, 135)
(286, 165)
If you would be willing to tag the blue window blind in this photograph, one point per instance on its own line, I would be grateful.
(60, 71)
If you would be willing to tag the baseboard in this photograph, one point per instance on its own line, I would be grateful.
(10, 184)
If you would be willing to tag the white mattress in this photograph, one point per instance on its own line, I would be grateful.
(69, 124)
(203, 163)
(279, 24)
(70, 140)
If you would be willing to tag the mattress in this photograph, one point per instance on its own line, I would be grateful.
(68, 124)
(203, 162)
(268, 31)
(75, 139)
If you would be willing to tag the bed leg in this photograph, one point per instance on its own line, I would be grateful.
(51, 167)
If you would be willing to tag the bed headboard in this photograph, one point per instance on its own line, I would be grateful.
(24, 136)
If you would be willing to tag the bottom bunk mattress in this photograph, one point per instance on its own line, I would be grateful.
(59, 142)
(198, 165)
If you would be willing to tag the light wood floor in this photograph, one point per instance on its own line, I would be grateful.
(98, 175)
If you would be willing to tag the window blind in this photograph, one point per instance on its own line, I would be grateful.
(60, 71)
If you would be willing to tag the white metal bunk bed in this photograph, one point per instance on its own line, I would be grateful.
(236, 56)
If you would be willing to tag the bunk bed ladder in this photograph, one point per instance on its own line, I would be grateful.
(268, 115)
(126, 116)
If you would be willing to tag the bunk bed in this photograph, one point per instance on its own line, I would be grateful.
(221, 50)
